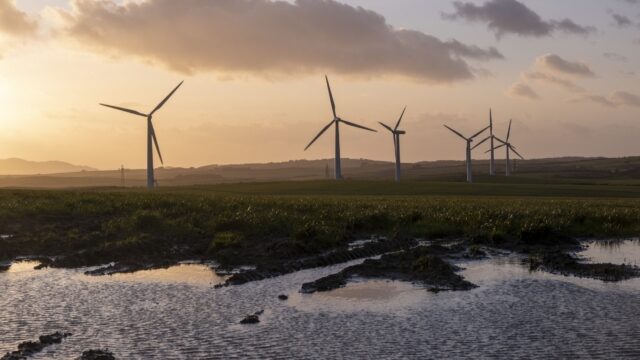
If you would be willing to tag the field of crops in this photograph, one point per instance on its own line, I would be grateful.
(110, 225)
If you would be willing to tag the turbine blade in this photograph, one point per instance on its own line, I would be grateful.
(491, 121)
(155, 141)
(166, 99)
(495, 148)
(356, 125)
(125, 110)
(386, 127)
(481, 142)
(497, 138)
(509, 131)
(479, 132)
(319, 134)
(514, 150)
(399, 120)
(457, 133)
(333, 104)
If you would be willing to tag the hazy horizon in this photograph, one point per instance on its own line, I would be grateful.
(254, 87)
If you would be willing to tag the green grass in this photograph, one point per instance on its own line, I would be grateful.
(516, 187)
(300, 218)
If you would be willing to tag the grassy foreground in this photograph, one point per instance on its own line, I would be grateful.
(248, 223)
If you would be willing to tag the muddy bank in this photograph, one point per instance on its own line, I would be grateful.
(273, 268)
(30, 348)
(568, 264)
(423, 265)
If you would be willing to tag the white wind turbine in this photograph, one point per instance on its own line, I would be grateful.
(396, 142)
(469, 148)
(509, 147)
(151, 134)
(336, 121)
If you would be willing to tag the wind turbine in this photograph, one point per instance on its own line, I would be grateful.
(469, 148)
(396, 141)
(151, 134)
(509, 148)
(336, 121)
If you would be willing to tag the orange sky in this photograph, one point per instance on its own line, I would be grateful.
(254, 88)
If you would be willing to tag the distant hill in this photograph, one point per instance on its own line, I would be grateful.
(553, 170)
(16, 166)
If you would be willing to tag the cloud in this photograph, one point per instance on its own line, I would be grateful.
(621, 20)
(555, 63)
(615, 99)
(267, 37)
(513, 17)
(566, 84)
(625, 98)
(14, 22)
(615, 57)
(521, 89)
(551, 69)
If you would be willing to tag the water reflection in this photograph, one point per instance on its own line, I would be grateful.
(177, 314)
(194, 274)
(614, 251)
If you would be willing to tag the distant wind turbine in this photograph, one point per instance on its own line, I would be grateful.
(396, 142)
(336, 121)
(506, 144)
(469, 148)
(151, 134)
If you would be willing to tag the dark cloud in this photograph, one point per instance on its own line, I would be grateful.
(13, 21)
(513, 17)
(268, 38)
(521, 89)
(555, 63)
(621, 20)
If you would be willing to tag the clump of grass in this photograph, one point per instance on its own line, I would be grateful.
(224, 240)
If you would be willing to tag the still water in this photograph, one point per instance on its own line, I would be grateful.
(177, 314)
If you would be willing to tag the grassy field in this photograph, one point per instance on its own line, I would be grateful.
(229, 222)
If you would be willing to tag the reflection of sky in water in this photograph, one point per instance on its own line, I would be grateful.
(185, 273)
(176, 313)
(615, 252)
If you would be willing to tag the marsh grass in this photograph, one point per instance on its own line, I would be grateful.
(126, 225)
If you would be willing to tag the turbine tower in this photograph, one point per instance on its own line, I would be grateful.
(151, 134)
(509, 147)
(396, 142)
(492, 162)
(336, 121)
(469, 148)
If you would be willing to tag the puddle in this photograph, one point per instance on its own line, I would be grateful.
(613, 251)
(183, 273)
(166, 314)
(22, 266)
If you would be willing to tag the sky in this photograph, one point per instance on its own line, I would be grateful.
(565, 72)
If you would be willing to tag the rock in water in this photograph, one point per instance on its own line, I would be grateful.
(4, 266)
(97, 355)
(29, 348)
(250, 319)
(283, 297)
